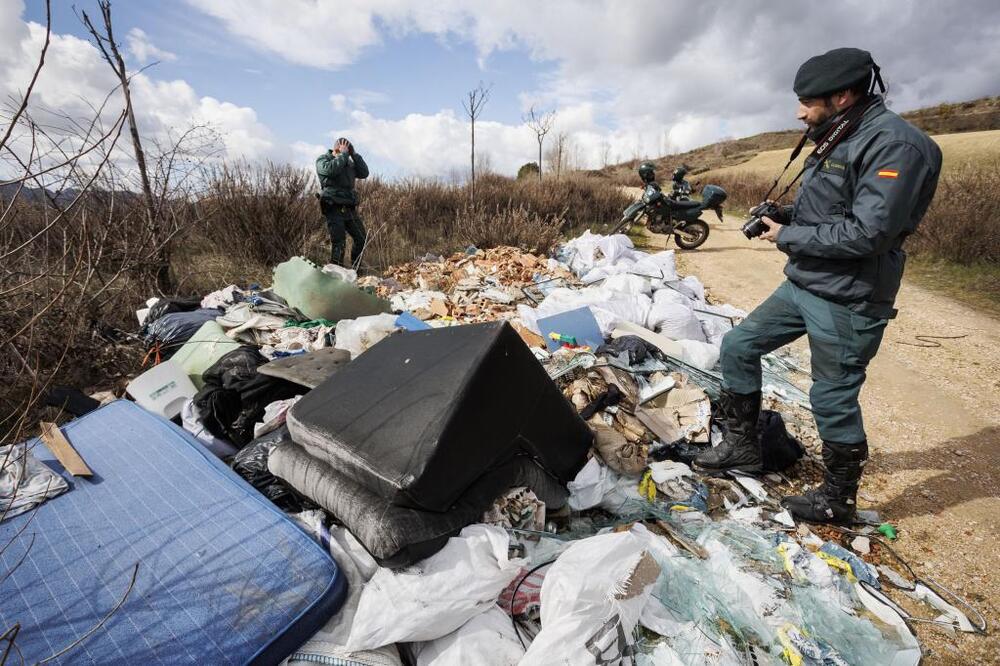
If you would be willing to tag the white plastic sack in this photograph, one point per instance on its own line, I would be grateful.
(628, 284)
(592, 599)
(609, 307)
(676, 321)
(660, 267)
(359, 335)
(699, 354)
(669, 295)
(591, 250)
(690, 287)
(437, 595)
(599, 485)
(603, 271)
(488, 639)
(341, 273)
(719, 323)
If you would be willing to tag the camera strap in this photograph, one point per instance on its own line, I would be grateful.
(825, 146)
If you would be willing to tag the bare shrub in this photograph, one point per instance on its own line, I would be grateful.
(258, 212)
(962, 224)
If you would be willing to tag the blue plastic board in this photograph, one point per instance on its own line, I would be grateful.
(224, 577)
(579, 324)
(411, 323)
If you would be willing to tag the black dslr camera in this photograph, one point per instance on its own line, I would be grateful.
(755, 226)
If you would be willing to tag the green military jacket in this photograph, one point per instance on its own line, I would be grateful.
(850, 217)
(337, 174)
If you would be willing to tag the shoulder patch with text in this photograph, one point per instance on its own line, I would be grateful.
(834, 166)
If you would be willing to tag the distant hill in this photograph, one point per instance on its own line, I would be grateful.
(973, 116)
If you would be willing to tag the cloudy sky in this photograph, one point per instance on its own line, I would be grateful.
(281, 79)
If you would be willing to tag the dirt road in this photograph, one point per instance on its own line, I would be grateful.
(933, 420)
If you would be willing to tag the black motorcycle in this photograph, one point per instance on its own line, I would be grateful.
(666, 215)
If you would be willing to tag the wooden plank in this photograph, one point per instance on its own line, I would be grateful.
(63, 450)
(682, 540)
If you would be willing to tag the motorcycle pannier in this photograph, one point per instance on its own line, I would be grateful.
(712, 196)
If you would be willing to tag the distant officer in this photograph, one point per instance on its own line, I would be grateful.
(844, 235)
(680, 188)
(337, 170)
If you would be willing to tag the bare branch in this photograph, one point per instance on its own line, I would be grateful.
(34, 77)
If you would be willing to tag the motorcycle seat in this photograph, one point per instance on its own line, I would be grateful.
(684, 205)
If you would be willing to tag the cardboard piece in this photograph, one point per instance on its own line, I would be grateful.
(60, 447)
(579, 324)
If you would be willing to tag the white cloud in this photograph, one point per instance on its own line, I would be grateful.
(357, 99)
(143, 50)
(75, 81)
(691, 72)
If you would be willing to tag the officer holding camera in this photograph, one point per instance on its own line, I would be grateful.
(337, 169)
(865, 188)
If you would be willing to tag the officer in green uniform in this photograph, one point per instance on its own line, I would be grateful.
(843, 237)
(337, 170)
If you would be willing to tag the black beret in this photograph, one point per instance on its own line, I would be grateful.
(833, 71)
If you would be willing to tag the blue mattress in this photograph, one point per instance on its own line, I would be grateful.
(224, 577)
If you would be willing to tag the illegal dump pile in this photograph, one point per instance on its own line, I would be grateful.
(494, 448)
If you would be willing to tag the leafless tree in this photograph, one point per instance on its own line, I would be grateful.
(104, 39)
(560, 152)
(473, 104)
(605, 152)
(541, 124)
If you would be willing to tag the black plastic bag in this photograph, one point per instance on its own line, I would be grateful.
(637, 348)
(251, 464)
(235, 395)
(172, 330)
(166, 306)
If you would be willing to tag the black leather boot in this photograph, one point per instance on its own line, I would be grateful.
(740, 450)
(835, 501)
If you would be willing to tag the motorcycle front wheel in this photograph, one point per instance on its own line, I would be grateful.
(692, 235)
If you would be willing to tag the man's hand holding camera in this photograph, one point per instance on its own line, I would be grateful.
(773, 229)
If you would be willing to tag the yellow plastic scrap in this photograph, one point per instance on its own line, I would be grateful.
(786, 558)
(788, 650)
(647, 488)
(837, 563)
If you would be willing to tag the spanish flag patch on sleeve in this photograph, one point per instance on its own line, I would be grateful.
(888, 173)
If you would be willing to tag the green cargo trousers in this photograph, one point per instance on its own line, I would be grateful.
(340, 221)
(841, 342)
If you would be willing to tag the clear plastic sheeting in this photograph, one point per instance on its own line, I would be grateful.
(759, 598)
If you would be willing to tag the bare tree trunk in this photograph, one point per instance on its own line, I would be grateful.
(477, 98)
(473, 159)
(540, 138)
(112, 55)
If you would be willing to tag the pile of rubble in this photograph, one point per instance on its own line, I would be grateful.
(526, 425)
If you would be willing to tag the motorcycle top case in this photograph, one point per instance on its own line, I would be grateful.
(422, 415)
(712, 195)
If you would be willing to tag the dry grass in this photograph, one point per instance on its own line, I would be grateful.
(257, 216)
